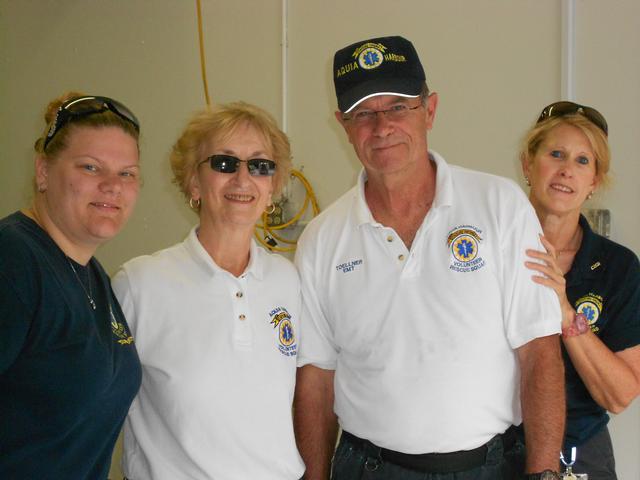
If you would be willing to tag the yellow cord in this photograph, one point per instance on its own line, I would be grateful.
(203, 64)
(268, 231)
(310, 197)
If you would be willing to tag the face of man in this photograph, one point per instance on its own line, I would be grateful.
(389, 133)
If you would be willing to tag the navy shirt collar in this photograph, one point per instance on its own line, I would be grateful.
(587, 262)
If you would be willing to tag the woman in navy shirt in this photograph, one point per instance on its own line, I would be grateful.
(68, 366)
(565, 159)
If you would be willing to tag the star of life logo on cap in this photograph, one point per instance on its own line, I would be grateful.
(464, 244)
(370, 55)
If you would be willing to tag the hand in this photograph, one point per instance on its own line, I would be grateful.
(552, 277)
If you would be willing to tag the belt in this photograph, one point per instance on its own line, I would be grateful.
(450, 462)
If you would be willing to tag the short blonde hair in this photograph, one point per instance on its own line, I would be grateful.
(219, 123)
(597, 139)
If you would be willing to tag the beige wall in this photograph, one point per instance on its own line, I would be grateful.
(494, 63)
(608, 75)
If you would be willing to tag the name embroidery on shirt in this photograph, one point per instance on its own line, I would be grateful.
(590, 306)
(349, 266)
(281, 321)
(464, 244)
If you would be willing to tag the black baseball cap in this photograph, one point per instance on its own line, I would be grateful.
(378, 66)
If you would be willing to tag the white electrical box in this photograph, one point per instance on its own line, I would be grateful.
(599, 220)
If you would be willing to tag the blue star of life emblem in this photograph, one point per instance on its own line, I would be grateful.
(465, 248)
(371, 57)
(589, 312)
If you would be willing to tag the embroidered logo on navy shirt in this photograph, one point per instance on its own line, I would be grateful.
(281, 321)
(119, 330)
(349, 266)
(590, 306)
(464, 243)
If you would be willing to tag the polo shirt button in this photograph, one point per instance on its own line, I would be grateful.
(241, 317)
(239, 294)
(390, 238)
(401, 257)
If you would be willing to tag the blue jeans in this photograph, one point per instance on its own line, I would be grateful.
(360, 462)
(595, 457)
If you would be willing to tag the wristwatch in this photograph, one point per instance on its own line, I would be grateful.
(546, 475)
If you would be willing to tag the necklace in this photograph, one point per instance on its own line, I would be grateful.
(86, 292)
(573, 244)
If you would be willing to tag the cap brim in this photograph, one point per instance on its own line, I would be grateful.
(402, 87)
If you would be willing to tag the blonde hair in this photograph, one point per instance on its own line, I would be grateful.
(218, 124)
(597, 139)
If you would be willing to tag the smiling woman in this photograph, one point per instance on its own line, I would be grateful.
(565, 158)
(216, 317)
(68, 366)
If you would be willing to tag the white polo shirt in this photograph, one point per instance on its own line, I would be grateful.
(423, 341)
(218, 355)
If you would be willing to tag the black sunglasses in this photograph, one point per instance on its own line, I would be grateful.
(560, 109)
(258, 167)
(84, 106)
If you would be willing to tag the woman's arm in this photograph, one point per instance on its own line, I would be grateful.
(612, 378)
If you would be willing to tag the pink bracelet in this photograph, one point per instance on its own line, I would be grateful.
(577, 327)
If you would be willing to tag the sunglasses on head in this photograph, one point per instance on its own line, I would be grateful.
(84, 106)
(258, 167)
(560, 109)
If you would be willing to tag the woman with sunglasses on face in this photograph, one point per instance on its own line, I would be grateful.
(215, 316)
(565, 159)
(68, 366)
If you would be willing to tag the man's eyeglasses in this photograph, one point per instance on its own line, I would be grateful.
(560, 109)
(364, 116)
(258, 167)
(85, 106)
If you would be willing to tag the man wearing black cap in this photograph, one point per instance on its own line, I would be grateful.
(422, 332)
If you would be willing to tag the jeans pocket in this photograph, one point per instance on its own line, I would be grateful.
(345, 464)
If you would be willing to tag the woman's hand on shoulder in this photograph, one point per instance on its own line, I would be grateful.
(551, 275)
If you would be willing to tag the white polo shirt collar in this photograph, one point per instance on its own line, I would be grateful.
(443, 197)
(198, 252)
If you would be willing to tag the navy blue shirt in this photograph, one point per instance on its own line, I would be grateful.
(68, 373)
(604, 284)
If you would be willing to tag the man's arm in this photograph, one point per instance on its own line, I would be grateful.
(542, 394)
(315, 423)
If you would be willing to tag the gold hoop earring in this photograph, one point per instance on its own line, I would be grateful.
(590, 195)
(194, 204)
(270, 209)
(42, 188)
(526, 179)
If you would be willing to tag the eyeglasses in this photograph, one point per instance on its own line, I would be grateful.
(85, 106)
(560, 109)
(364, 116)
(258, 167)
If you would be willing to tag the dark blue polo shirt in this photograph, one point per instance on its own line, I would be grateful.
(68, 373)
(604, 284)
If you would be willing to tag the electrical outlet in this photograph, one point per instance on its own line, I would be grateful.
(277, 216)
